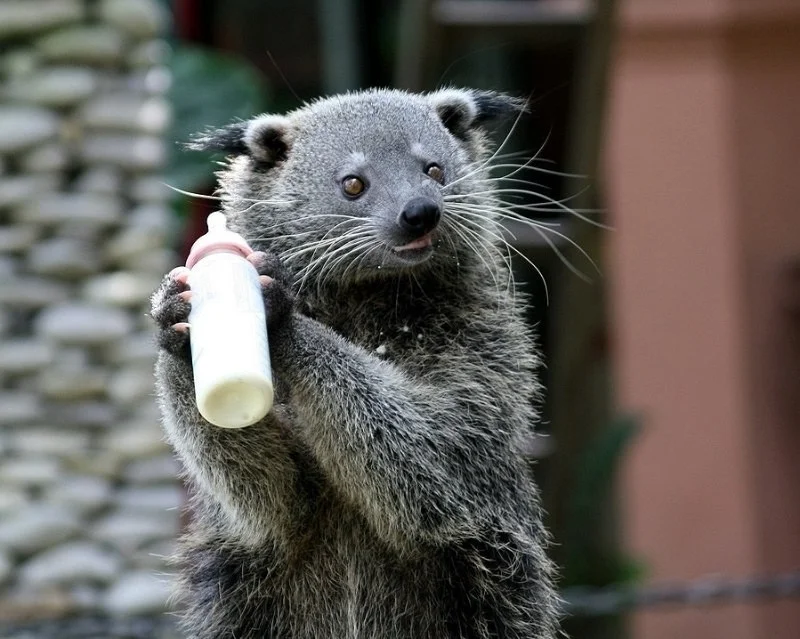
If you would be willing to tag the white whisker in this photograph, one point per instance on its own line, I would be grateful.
(541, 231)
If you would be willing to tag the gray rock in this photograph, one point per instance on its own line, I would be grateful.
(65, 383)
(139, 18)
(119, 289)
(136, 440)
(14, 239)
(155, 470)
(128, 531)
(74, 357)
(19, 63)
(152, 217)
(49, 158)
(23, 356)
(73, 208)
(148, 54)
(98, 44)
(137, 349)
(82, 414)
(63, 258)
(37, 527)
(156, 556)
(131, 152)
(87, 598)
(155, 262)
(19, 408)
(146, 413)
(18, 189)
(157, 81)
(6, 567)
(8, 266)
(132, 386)
(33, 603)
(18, 17)
(31, 471)
(73, 323)
(138, 593)
(49, 441)
(104, 180)
(24, 127)
(84, 494)
(25, 292)
(150, 189)
(127, 112)
(131, 243)
(77, 561)
(152, 81)
(54, 87)
(104, 465)
(12, 500)
(5, 322)
(151, 498)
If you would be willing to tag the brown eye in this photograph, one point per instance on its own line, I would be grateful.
(435, 172)
(353, 186)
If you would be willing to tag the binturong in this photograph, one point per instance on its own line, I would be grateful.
(386, 495)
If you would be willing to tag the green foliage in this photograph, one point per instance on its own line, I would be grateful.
(209, 89)
(588, 511)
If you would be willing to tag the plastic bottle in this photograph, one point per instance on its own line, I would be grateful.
(228, 330)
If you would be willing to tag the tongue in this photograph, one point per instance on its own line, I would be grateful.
(422, 242)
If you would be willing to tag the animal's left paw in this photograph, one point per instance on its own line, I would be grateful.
(275, 285)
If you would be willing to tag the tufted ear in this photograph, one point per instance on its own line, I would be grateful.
(464, 109)
(266, 139)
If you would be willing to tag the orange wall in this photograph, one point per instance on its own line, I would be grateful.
(705, 191)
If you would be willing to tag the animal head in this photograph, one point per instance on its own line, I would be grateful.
(363, 184)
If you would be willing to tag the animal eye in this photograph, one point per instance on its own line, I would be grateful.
(435, 172)
(353, 186)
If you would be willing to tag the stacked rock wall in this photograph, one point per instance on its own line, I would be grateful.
(88, 495)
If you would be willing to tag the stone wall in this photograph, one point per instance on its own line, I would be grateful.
(88, 496)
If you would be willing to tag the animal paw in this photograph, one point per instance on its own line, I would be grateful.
(275, 285)
(170, 310)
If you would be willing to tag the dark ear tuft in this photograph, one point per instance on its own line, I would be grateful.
(456, 110)
(266, 139)
(464, 109)
(228, 139)
(495, 106)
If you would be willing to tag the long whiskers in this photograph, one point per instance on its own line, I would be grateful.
(481, 231)
(541, 231)
(217, 198)
(328, 253)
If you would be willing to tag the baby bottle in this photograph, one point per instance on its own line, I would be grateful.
(228, 330)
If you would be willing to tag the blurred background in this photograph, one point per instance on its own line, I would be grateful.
(666, 134)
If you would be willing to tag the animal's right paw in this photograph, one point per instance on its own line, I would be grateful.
(170, 310)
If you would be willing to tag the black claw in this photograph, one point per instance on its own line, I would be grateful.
(175, 342)
(170, 308)
(270, 264)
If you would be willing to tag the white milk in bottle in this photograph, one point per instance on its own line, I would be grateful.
(228, 330)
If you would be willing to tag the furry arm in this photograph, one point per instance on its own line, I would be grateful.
(421, 465)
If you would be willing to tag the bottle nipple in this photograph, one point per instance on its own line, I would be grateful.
(217, 222)
(218, 238)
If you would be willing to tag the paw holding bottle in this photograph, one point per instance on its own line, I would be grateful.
(228, 330)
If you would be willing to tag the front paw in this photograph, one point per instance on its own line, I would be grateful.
(170, 311)
(276, 288)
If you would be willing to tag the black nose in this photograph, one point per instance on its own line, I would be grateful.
(420, 216)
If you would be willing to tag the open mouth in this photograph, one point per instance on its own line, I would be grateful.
(417, 246)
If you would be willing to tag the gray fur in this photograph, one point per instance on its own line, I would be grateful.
(386, 495)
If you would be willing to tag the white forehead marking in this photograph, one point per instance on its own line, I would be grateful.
(357, 157)
(417, 149)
